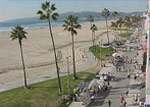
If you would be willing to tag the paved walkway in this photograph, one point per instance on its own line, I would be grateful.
(121, 84)
(120, 87)
(90, 62)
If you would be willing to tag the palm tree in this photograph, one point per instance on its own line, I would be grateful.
(127, 22)
(120, 22)
(114, 25)
(19, 33)
(71, 25)
(94, 28)
(47, 13)
(105, 14)
(114, 15)
(91, 20)
(135, 20)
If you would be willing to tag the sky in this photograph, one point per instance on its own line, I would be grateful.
(12, 9)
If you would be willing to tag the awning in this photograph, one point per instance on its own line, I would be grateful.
(115, 55)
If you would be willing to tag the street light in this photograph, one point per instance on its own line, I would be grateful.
(100, 43)
(68, 72)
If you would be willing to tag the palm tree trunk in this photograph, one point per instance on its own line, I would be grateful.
(92, 35)
(23, 65)
(107, 30)
(92, 38)
(94, 43)
(56, 62)
(73, 56)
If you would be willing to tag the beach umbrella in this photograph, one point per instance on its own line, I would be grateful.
(115, 55)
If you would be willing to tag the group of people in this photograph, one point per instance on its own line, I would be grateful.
(97, 87)
(135, 99)
(123, 102)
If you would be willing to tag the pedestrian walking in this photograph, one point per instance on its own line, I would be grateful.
(109, 103)
(124, 104)
(108, 83)
(119, 69)
(127, 92)
(128, 75)
(135, 77)
(136, 98)
(133, 99)
(106, 87)
(116, 68)
(121, 100)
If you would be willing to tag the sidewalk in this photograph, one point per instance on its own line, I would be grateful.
(109, 67)
(121, 84)
(89, 62)
(134, 87)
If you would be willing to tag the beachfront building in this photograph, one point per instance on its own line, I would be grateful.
(147, 26)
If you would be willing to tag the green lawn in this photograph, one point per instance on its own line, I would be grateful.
(125, 35)
(43, 94)
(105, 51)
(122, 29)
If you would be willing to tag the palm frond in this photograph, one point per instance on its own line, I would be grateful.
(47, 11)
(44, 6)
(53, 8)
(54, 16)
(18, 33)
(71, 24)
(43, 17)
(40, 12)
(105, 13)
(74, 32)
(90, 18)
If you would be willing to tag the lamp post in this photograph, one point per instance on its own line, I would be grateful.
(100, 43)
(100, 52)
(68, 72)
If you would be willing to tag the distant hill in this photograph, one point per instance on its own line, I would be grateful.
(84, 14)
(34, 22)
(81, 15)
(97, 14)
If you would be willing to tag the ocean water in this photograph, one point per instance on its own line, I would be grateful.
(23, 12)
(33, 23)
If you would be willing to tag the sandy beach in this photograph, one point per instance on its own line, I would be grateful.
(38, 51)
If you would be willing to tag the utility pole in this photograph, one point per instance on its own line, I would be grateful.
(100, 54)
(101, 51)
(68, 72)
(100, 44)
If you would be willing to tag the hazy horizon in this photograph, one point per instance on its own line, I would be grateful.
(14, 9)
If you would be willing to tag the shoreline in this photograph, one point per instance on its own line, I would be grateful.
(46, 27)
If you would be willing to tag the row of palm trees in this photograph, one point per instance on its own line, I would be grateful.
(105, 13)
(48, 13)
(71, 24)
(128, 22)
